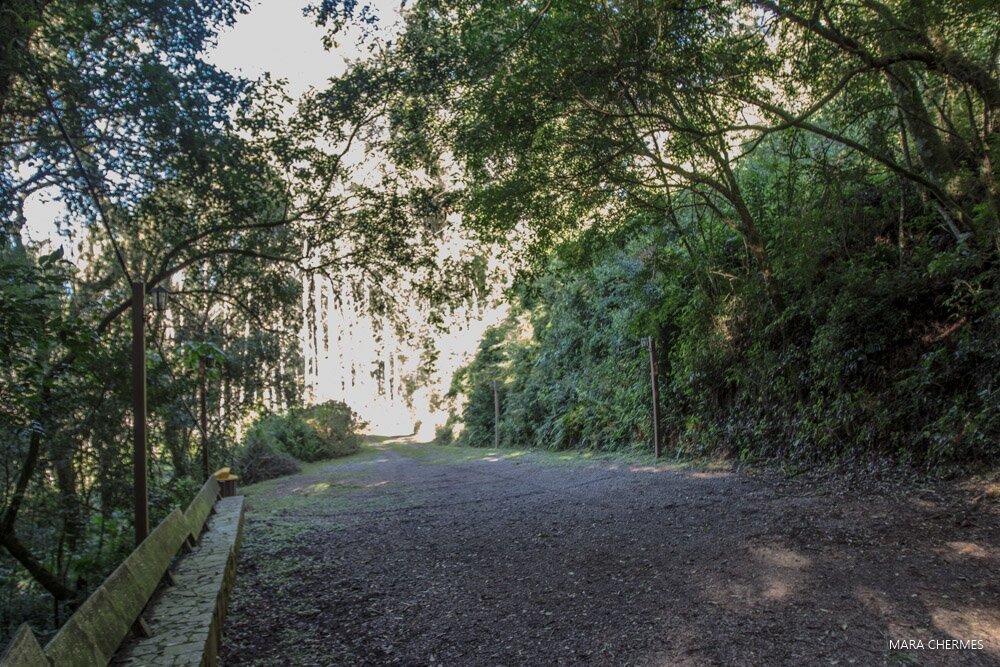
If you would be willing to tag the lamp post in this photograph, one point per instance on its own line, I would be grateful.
(159, 294)
(140, 487)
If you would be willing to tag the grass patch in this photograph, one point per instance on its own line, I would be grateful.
(316, 469)
(445, 454)
(325, 488)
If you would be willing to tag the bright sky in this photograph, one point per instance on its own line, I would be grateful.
(275, 37)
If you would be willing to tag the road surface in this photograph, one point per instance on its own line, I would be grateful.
(414, 555)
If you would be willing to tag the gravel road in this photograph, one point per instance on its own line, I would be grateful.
(415, 555)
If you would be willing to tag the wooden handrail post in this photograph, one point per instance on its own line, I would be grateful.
(656, 397)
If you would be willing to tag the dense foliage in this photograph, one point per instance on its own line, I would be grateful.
(873, 357)
(797, 200)
(274, 444)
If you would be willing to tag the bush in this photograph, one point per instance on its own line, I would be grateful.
(336, 427)
(260, 458)
(275, 444)
(292, 434)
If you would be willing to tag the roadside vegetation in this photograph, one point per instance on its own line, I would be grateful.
(797, 201)
(875, 354)
(277, 443)
(127, 157)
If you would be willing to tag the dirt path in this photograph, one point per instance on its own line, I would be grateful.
(415, 555)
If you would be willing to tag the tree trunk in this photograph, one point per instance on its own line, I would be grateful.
(176, 446)
(69, 499)
(751, 234)
(39, 572)
(930, 147)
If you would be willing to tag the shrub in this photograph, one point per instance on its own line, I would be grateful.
(260, 458)
(275, 443)
(336, 427)
(292, 434)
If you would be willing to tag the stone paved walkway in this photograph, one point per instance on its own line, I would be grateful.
(182, 620)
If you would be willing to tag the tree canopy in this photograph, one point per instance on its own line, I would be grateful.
(167, 171)
(797, 200)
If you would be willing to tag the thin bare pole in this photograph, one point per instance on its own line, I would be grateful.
(139, 412)
(496, 415)
(656, 396)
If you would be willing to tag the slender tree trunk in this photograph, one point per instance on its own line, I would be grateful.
(751, 235)
(106, 463)
(69, 499)
(496, 414)
(930, 147)
(8, 538)
(203, 406)
(39, 572)
(176, 446)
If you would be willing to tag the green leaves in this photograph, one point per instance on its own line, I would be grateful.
(33, 326)
(203, 356)
(46, 261)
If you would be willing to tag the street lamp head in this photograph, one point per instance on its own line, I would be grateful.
(159, 294)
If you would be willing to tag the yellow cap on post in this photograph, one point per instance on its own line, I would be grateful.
(223, 475)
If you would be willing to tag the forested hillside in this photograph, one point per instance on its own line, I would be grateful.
(797, 200)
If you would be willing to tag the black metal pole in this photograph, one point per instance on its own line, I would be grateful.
(656, 397)
(139, 412)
